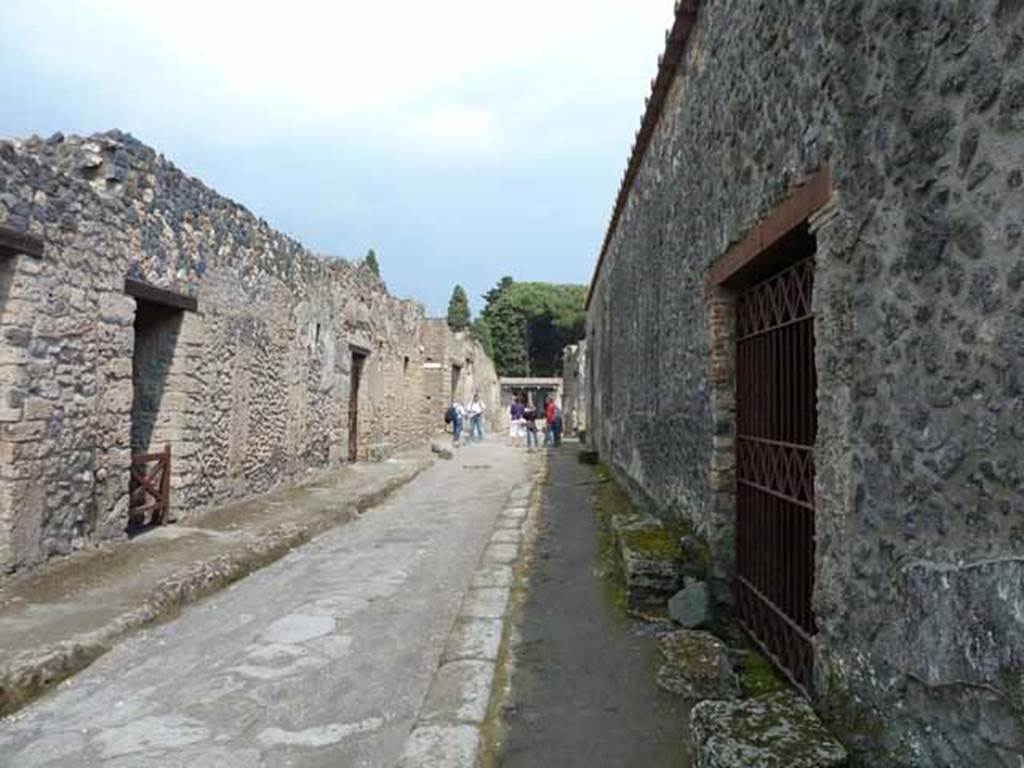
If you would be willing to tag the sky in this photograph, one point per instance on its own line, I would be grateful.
(462, 140)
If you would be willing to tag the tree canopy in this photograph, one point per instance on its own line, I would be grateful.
(458, 309)
(531, 323)
(371, 262)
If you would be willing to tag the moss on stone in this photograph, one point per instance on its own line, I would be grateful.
(758, 676)
(655, 543)
(608, 502)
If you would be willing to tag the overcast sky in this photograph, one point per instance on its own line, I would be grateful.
(462, 139)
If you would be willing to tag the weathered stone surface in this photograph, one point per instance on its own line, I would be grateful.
(696, 666)
(651, 558)
(776, 731)
(690, 606)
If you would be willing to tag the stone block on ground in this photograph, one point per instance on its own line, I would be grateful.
(690, 606)
(651, 557)
(780, 730)
(696, 666)
(442, 450)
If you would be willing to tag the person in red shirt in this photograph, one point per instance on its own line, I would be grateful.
(549, 418)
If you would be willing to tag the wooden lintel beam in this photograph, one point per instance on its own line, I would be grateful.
(144, 291)
(804, 200)
(13, 243)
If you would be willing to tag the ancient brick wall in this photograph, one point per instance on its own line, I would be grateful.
(917, 109)
(251, 391)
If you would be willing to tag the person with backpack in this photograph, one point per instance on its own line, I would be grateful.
(454, 416)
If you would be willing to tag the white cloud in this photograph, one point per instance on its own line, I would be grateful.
(450, 76)
(455, 129)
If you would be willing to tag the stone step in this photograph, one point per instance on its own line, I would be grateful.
(653, 562)
(696, 666)
(779, 730)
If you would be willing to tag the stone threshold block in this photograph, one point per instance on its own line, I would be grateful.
(460, 693)
(485, 603)
(493, 575)
(696, 666)
(515, 514)
(653, 561)
(506, 554)
(471, 638)
(441, 746)
(506, 536)
(780, 730)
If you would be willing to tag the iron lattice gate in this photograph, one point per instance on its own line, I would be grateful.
(776, 413)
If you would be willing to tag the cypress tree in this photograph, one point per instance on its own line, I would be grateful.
(371, 262)
(458, 309)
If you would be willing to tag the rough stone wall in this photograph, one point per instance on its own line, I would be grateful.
(574, 388)
(251, 391)
(917, 109)
(458, 367)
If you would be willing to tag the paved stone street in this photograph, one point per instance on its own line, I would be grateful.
(323, 658)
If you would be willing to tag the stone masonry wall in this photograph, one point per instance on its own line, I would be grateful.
(916, 108)
(574, 388)
(251, 391)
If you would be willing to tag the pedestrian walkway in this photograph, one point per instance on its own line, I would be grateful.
(323, 658)
(582, 687)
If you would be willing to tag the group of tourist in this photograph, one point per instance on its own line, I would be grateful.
(524, 417)
(456, 417)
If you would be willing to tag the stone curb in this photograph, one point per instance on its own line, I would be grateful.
(447, 732)
(29, 674)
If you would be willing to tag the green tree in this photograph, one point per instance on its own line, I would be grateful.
(531, 323)
(480, 331)
(371, 262)
(458, 309)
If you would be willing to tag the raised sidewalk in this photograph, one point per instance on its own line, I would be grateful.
(57, 619)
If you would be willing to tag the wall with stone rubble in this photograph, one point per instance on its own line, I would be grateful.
(917, 109)
(574, 388)
(251, 391)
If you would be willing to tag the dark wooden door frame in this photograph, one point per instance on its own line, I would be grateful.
(456, 380)
(355, 381)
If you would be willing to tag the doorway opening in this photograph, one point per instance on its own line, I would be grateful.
(456, 380)
(156, 335)
(159, 314)
(358, 363)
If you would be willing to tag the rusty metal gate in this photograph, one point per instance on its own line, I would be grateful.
(776, 413)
